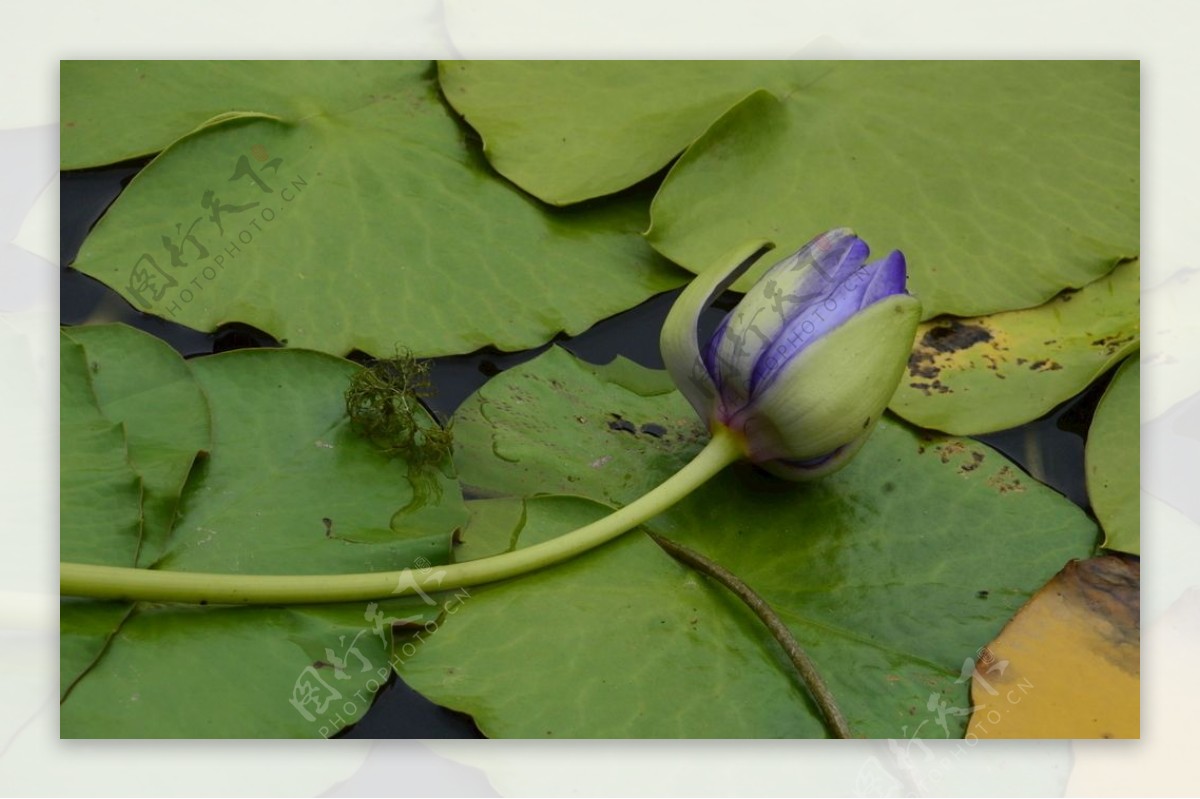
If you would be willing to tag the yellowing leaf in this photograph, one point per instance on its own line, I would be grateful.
(1067, 666)
(987, 373)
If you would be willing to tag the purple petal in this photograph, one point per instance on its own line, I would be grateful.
(814, 321)
(864, 287)
(889, 279)
(709, 354)
(784, 291)
(818, 266)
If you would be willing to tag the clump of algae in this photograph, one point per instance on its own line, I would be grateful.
(384, 404)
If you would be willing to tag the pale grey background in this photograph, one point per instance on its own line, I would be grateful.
(34, 36)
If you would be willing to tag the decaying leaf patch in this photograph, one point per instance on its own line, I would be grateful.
(988, 373)
(1067, 665)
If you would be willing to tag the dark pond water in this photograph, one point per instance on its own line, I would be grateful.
(1050, 449)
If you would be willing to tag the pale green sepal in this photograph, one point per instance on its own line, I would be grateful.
(679, 344)
(836, 389)
(793, 471)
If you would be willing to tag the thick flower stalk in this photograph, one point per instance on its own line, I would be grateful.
(801, 370)
(793, 379)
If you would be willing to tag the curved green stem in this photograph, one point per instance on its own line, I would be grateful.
(112, 582)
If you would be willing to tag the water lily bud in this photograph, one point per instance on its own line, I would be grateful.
(803, 367)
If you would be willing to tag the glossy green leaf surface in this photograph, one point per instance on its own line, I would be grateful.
(873, 569)
(96, 480)
(349, 225)
(284, 461)
(191, 672)
(630, 428)
(1002, 182)
(287, 488)
(567, 131)
(144, 385)
(1113, 460)
(988, 373)
(648, 648)
(85, 628)
(165, 100)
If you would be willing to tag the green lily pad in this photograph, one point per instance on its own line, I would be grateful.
(567, 131)
(143, 386)
(1002, 182)
(1112, 459)
(630, 427)
(146, 387)
(348, 225)
(96, 478)
(286, 488)
(870, 568)
(188, 672)
(649, 650)
(117, 110)
(988, 373)
(85, 629)
(284, 461)
(492, 529)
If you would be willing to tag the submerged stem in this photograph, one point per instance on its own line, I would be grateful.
(113, 582)
(834, 720)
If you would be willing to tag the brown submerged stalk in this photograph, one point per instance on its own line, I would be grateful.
(834, 720)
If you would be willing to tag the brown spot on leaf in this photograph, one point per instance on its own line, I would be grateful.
(954, 337)
(1005, 481)
(950, 449)
(976, 459)
(932, 386)
(942, 340)
(1111, 344)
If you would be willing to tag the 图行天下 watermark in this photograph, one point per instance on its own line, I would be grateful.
(194, 252)
(335, 690)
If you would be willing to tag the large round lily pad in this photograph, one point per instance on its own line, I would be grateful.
(892, 572)
(338, 225)
(286, 487)
(1003, 182)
